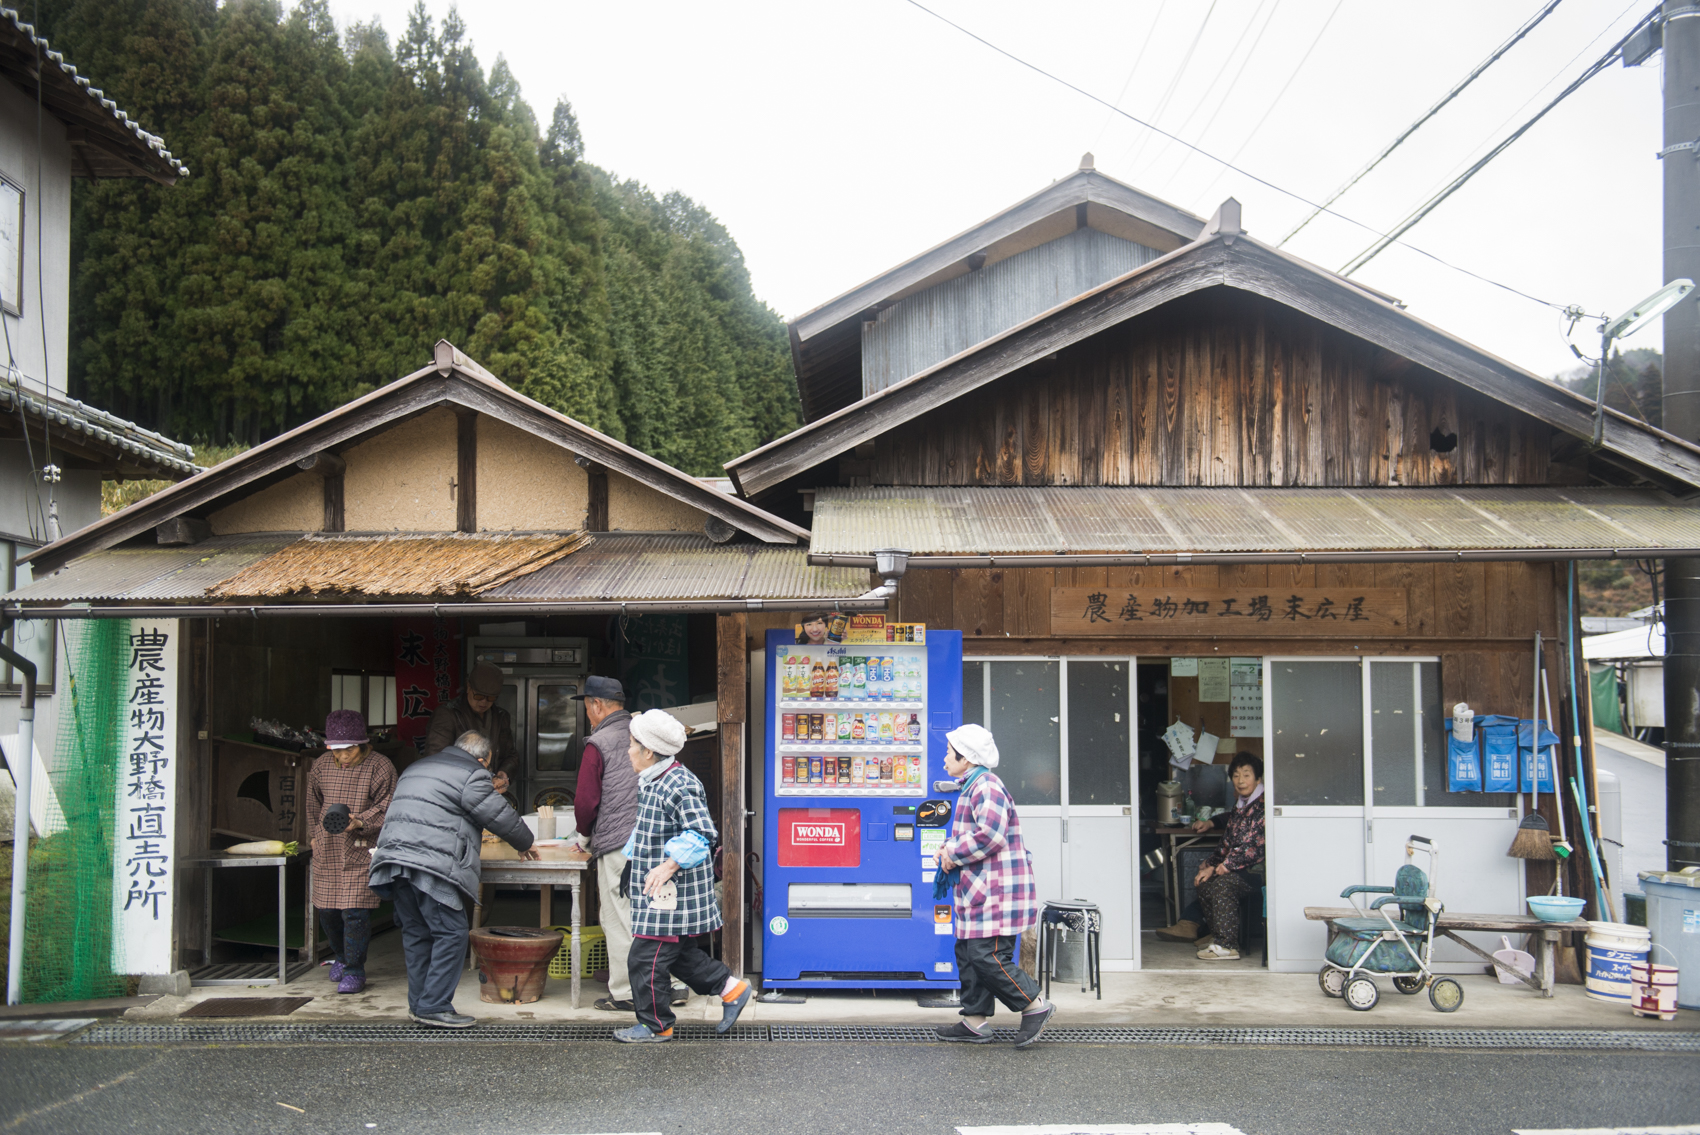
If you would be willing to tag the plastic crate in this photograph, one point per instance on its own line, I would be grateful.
(592, 957)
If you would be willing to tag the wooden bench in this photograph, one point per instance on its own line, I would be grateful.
(1546, 934)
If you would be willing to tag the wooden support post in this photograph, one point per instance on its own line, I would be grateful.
(466, 472)
(596, 509)
(732, 668)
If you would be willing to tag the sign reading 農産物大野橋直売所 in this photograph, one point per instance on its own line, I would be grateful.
(143, 857)
(1236, 612)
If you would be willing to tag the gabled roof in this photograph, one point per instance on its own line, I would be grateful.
(106, 141)
(452, 379)
(119, 448)
(1222, 257)
(826, 342)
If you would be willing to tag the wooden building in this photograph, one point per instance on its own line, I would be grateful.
(1229, 488)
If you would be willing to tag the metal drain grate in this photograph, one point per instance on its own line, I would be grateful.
(1622, 1040)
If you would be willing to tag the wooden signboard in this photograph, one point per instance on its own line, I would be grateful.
(1241, 613)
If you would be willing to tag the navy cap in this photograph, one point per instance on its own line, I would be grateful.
(608, 689)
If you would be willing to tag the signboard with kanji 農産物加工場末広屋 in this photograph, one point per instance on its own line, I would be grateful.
(1239, 612)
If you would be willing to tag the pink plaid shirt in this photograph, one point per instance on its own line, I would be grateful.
(995, 895)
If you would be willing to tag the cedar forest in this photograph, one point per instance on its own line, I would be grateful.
(353, 200)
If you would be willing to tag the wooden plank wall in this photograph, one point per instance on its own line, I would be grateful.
(1218, 389)
(1480, 618)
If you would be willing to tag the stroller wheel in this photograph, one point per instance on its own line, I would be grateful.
(1446, 995)
(1362, 994)
(1409, 985)
(1333, 981)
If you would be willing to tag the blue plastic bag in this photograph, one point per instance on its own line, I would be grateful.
(1537, 761)
(1499, 752)
(1463, 763)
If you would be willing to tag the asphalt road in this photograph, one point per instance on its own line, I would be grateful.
(770, 1088)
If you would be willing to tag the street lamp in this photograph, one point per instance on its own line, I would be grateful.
(1626, 325)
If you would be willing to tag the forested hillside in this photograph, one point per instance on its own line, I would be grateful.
(354, 198)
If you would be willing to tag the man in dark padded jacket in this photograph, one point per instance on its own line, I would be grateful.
(426, 862)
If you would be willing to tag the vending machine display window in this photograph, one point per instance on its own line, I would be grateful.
(851, 720)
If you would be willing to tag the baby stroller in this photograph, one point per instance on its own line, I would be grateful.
(1379, 942)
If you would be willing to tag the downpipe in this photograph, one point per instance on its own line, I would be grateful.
(23, 772)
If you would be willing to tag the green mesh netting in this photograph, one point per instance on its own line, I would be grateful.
(68, 927)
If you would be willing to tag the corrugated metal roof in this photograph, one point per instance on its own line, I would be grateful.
(616, 567)
(1075, 521)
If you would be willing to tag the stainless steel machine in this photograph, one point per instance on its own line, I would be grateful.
(541, 675)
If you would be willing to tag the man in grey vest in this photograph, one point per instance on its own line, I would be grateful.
(605, 804)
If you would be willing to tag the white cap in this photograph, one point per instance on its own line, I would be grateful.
(344, 745)
(658, 730)
(974, 744)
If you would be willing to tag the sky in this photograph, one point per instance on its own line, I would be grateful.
(837, 140)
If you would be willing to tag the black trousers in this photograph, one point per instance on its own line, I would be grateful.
(350, 934)
(433, 940)
(652, 964)
(989, 974)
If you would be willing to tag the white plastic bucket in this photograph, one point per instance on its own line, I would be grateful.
(1654, 986)
(1612, 948)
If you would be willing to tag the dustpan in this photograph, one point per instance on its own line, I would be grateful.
(1511, 966)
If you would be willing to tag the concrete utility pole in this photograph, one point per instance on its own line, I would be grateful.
(1681, 156)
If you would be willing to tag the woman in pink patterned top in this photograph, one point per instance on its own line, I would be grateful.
(993, 897)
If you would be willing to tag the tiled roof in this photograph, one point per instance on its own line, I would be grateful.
(73, 421)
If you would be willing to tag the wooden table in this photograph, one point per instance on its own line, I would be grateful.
(1544, 977)
(1179, 837)
(546, 875)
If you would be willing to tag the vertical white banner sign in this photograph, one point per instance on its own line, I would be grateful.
(144, 852)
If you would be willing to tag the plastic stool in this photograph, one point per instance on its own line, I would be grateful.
(1077, 916)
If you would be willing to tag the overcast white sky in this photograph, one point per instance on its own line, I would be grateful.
(835, 140)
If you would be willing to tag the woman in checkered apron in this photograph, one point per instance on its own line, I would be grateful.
(670, 878)
(355, 785)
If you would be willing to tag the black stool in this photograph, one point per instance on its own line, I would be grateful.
(1077, 916)
(1254, 917)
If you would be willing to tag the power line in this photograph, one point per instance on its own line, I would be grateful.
(1229, 93)
(1150, 34)
(1216, 78)
(1265, 182)
(1163, 103)
(1459, 182)
(1457, 90)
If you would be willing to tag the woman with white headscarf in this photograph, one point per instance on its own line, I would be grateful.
(993, 895)
(670, 879)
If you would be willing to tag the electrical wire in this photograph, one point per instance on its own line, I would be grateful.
(1226, 95)
(1285, 87)
(1528, 26)
(1174, 82)
(1214, 79)
(1459, 182)
(1150, 34)
(1265, 182)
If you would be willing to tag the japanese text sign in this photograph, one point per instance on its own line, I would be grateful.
(1217, 612)
(144, 852)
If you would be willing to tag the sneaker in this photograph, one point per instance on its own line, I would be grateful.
(961, 1033)
(335, 971)
(731, 1004)
(447, 1019)
(1185, 930)
(1215, 952)
(681, 994)
(351, 983)
(1033, 1024)
(640, 1034)
(609, 1005)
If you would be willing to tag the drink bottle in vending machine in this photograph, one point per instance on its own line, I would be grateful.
(855, 746)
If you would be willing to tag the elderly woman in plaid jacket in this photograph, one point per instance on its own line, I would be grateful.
(670, 878)
(351, 787)
(993, 896)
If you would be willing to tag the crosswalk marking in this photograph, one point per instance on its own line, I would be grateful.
(1682, 1129)
(1105, 1129)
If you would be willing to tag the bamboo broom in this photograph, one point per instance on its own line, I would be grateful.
(1534, 838)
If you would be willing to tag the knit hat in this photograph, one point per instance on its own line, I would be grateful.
(659, 731)
(485, 679)
(344, 729)
(974, 744)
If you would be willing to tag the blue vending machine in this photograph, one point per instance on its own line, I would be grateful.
(855, 744)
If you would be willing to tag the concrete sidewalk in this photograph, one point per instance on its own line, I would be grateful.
(1192, 999)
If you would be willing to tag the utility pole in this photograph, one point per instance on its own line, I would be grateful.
(1681, 403)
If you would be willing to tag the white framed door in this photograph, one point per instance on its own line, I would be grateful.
(1066, 739)
(1356, 764)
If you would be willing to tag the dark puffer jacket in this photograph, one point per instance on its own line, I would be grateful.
(441, 807)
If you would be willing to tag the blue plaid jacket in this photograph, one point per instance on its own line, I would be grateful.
(668, 806)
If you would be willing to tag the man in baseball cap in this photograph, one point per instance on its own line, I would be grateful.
(476, 709)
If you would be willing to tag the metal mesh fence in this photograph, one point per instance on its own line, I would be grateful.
(68, 953)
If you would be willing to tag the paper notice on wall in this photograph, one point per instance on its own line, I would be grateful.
(1207, 745)
(1245, 698)
(1212, 679)
(1183, 667)
(1178, 737)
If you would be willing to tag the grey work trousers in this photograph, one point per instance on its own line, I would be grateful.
(433, 940)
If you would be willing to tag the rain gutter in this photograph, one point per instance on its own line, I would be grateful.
(441, 610)
(1168, 559)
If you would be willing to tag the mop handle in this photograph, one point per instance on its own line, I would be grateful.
(1576, 722)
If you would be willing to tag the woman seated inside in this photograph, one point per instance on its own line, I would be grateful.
(1235, 869)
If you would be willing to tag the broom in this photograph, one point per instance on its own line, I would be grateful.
(1534, 838)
